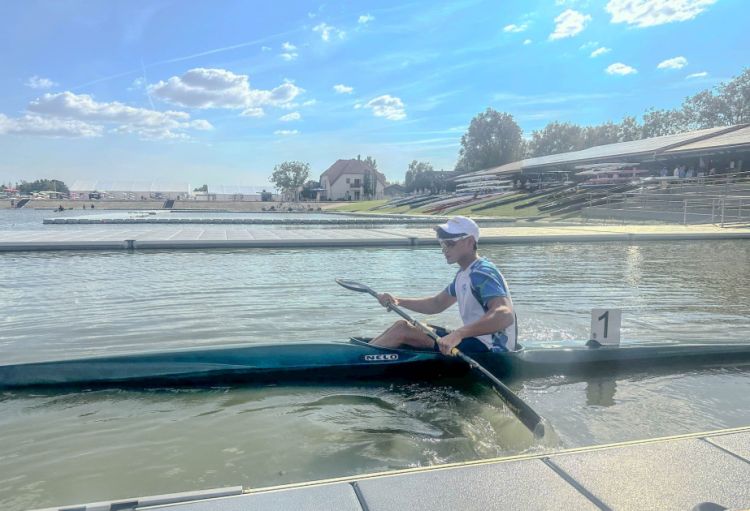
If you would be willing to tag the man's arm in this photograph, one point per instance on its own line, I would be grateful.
(432, 305)
(499, 316)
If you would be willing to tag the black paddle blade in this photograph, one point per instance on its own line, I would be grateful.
(355, 286)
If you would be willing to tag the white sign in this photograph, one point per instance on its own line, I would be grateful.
(605, 326)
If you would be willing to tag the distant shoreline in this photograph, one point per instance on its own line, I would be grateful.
(237, 206)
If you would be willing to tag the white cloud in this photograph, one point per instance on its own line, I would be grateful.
(649, 13)
(309, 102)
(69, 115)
(702, 74)
(569, 24)
(343, 89)
(675, 63)
(365, 18)
(138, 83)
(387, 106)
(292, 116)
(527, 41)
(590, 44)
(515, 28)
(327, 31)
(600, 51)
(265, 48)
(83, 109)
(37, 82)
(253, 111)
(290, 51)
(618, 68)
(285, 133)
(48, 127)
(219, 88)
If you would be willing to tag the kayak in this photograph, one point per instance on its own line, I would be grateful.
(356, 359)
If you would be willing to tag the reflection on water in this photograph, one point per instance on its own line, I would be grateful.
(65, 447)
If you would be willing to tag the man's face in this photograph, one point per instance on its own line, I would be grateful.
(455, 249)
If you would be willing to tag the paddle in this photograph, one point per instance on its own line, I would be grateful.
(532, 420)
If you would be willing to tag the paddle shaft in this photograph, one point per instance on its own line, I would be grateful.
(524, 413)
(528, 417)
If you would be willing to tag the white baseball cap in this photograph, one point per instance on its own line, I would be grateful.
(456, 227)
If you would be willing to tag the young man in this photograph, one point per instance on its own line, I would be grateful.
(481, 292)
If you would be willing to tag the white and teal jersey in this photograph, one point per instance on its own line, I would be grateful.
(474, 288)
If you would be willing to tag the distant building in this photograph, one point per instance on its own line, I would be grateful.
(394, 190)
(238, 193)
(345, 180)
(128, 190)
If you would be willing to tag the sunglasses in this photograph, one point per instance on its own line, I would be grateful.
(452, 242)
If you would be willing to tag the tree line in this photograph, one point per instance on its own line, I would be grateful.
(40, 185)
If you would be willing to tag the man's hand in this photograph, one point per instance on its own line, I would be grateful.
(387, 299)
(449, 342)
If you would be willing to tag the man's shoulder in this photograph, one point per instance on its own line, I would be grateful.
(485, 266)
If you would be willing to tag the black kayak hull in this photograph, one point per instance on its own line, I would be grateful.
(343, 360)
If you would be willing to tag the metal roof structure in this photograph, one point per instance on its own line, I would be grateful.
(648, 149)
(734, 140)
(645, 147)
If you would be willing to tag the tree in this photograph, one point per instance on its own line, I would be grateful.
(370, 178)
(629, 129)
(371, 162)
(556, 137)
(493, 139)
(42, 185)
(203, 188)
(728, 105)
(290, 176)
(413, 173)
(657, 123)
(607, 133)
(369, 183)
(308, 189)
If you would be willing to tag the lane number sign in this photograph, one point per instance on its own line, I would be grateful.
(605, 326)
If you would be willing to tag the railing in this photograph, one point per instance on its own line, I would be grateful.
(720, 200)
(695, 209)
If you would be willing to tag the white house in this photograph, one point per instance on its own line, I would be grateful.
(345, 180)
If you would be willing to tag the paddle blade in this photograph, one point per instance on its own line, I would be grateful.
(355, 286)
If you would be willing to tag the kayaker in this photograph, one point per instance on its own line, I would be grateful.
(483, 297)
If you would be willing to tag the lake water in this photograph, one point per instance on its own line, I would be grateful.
(67, 447)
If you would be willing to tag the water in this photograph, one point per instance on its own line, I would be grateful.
(32, 219)
(59, 448)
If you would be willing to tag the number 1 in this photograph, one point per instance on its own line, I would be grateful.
(605, 317)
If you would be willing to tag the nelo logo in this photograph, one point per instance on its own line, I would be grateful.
(380, 358)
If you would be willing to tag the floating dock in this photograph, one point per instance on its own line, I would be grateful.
(701, 471)
(333, 221)
(198, 237)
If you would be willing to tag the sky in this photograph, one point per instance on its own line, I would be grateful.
(220, 91)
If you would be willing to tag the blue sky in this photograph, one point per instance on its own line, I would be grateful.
(221, 91)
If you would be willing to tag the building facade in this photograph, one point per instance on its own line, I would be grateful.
(348, 180)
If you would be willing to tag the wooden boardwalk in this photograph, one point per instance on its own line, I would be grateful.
(674, 473)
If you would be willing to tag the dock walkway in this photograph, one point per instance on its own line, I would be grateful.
(686, 472)
(208, 237)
